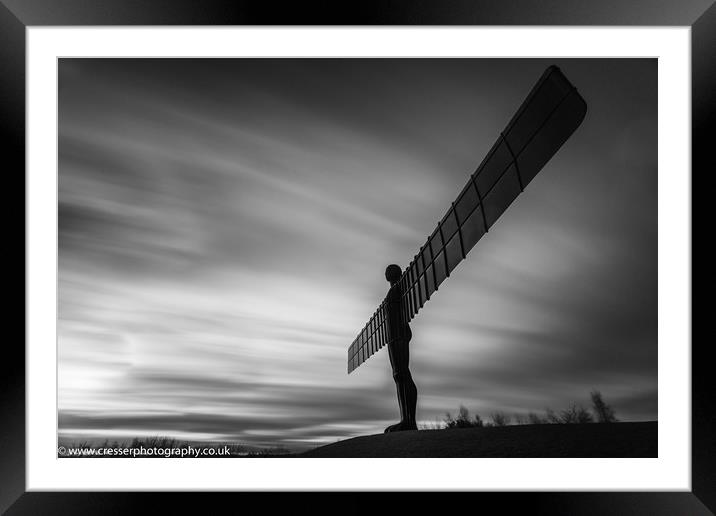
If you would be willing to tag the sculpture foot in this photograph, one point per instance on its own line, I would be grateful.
(391, 428)
(401, 427)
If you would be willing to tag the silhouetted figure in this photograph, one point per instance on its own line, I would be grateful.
(547, 118)
(399, 336)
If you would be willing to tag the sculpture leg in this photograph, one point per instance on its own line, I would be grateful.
(399, 387)
(410, 399)
(405, 387)
(400, 391)
(407, 401)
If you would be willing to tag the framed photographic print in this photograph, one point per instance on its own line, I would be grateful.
(210, 211)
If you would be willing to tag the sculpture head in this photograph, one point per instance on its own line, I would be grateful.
(392, 273)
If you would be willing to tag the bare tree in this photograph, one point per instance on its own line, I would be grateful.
(583, 415)
(462, 420)
(575, 414)
(463, 417)
(551, 417)
(603, 412)
(449, 421)
(500, 419)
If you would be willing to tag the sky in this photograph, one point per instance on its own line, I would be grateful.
(224, 227)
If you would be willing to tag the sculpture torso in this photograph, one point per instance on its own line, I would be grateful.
(397, 327)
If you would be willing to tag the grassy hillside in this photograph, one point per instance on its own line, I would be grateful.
(575, 440)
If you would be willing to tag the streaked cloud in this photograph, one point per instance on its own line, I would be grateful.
(224, 226)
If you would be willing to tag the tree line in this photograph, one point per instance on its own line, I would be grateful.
(600, 412)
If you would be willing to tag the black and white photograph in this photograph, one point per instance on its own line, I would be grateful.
(357, 257)
(438, 253)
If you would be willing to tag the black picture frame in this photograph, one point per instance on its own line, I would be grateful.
(16, 15)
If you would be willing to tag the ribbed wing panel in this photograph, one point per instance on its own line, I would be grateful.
(371, 338)
(546, 119)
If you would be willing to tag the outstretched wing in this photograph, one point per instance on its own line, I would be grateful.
(371, 338)
(546, 119)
